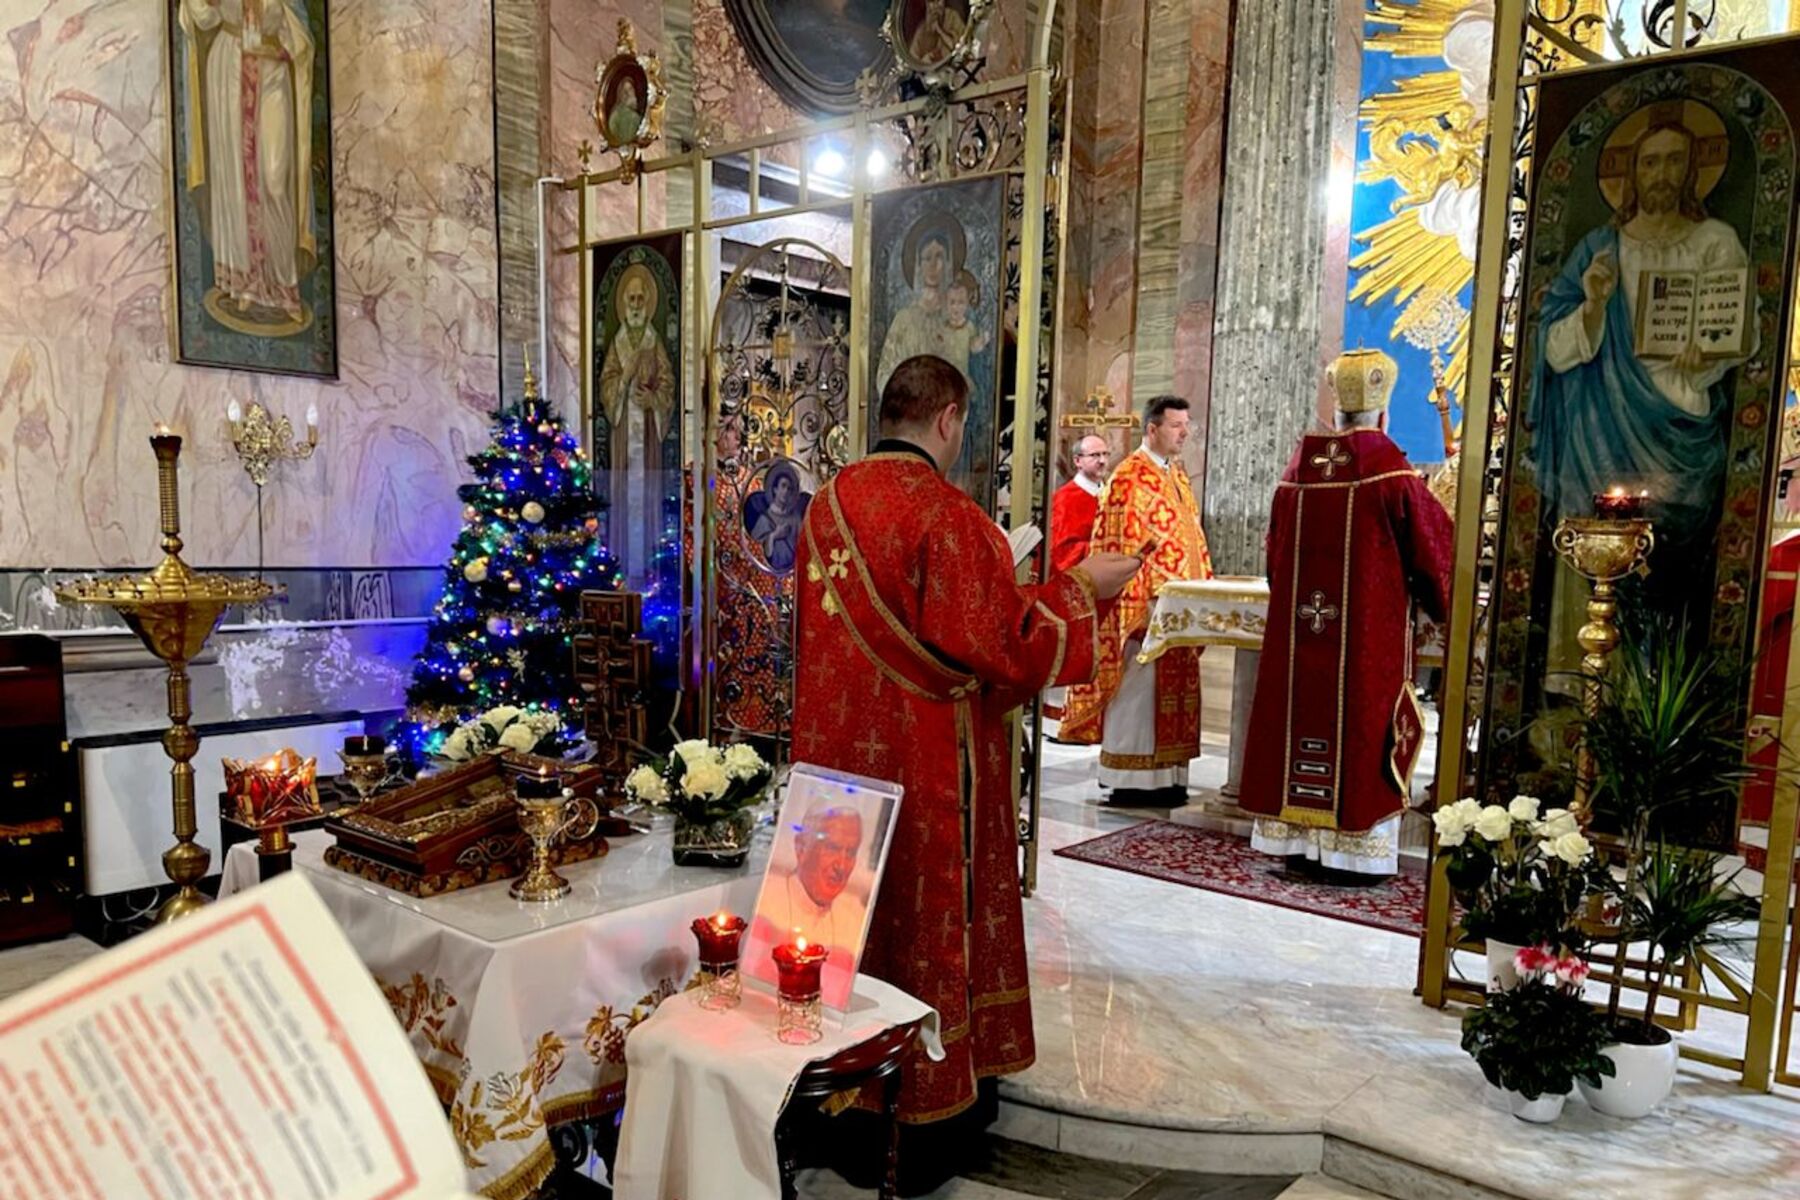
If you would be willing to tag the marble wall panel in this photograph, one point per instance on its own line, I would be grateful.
(85, 367)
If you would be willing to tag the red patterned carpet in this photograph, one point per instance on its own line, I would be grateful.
(1219, 862)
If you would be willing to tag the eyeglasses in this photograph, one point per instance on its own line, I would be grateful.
(1092, 454)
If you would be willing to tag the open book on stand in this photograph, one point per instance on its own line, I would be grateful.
(1023, 540)
(244, 1051)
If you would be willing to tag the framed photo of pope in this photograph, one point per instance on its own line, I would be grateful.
(1652, 336)
(831, 846)
(250, 186)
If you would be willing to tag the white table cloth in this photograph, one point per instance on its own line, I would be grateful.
(519, 1011)
(708, 1087)
(1233, 610)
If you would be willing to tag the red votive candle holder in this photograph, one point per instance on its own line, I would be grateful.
(1616, 504)
(720, 937)
(799, 1015)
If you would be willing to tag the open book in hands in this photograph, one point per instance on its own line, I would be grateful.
(244, 1051)
(1023, 540)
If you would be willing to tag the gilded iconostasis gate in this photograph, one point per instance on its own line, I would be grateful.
(737, 334)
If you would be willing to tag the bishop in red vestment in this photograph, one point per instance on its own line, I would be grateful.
(915, 643)
(1355, 539)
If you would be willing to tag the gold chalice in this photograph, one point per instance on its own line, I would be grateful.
(545, 818)
(366, 765)
(173, 610)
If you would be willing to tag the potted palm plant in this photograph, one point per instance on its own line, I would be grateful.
(1667, 748)
(1539, 1038)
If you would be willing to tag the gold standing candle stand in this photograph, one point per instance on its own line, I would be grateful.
(1602, 550)
(173, 610)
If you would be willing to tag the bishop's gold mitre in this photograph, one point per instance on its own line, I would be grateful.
(1363, 380)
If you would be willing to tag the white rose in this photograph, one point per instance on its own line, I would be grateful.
(705, 778)
(499, 718)
(646, 785)
(1558, 822)
(1572, 848)
(743, 762)
(1452, 825)
(1494, 823)
(518, 736)
(697, 750)
(1523, 808)
(456, 745)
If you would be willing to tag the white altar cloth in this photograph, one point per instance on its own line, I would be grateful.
(519, 1011)
(708, 1087)
(1233, 610)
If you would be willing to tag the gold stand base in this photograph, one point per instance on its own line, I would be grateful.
(185, 902)
(540, 885)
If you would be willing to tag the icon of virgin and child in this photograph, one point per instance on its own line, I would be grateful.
(943, 315)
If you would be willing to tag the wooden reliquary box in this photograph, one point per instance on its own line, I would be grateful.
(455, 829)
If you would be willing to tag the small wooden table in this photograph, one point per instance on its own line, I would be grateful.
(880, 1060)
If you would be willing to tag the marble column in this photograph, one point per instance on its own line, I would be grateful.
(1267, 323)
(521, 125)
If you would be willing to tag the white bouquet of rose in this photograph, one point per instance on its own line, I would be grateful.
(701, 783)
(506, 727)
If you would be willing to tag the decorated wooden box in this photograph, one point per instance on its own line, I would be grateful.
(456, 829)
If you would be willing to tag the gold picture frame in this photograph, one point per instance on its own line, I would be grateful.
(935, 39)
(629, 101)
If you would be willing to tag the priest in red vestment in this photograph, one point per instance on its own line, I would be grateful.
(914, 644)
(1355, 540)
(1072, 510)
(1146, 717)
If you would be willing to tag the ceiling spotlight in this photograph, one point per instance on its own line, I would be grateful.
(878, 163)
(829, 163)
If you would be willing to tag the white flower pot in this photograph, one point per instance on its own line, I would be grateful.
(1541, 1111)
(1502, 974)
(1642, 1079)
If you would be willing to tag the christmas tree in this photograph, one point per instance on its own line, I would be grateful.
(500, 634)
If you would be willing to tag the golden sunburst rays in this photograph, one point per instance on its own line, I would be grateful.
(1412, 28)
(1403, 260)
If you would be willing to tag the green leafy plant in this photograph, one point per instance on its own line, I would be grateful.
(1539, 1037)
(1681, 906)
(1667, 748)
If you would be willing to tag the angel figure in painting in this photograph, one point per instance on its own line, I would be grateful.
(773, 516)
(248, 87)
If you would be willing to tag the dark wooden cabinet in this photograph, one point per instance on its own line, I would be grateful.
(40, 813)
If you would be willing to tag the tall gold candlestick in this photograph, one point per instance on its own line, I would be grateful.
(1602, 550)
(173, 610)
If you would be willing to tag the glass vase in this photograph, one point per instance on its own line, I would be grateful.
(723, 843)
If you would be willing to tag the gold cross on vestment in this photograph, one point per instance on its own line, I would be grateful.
(871, 746)
(1331, 460)
(1403, 740)
(1099, 415)
(1318, 612)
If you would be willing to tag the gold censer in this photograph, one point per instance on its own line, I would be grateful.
(173, 610)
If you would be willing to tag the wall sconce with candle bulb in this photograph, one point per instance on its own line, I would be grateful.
(261, 441)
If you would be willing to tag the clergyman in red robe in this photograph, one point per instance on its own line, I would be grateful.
(1355, 540)
(1073, 507)
(914, 644)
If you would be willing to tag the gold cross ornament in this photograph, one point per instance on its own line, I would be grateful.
(1331, 460)
(1099, 414)
(1318, 612)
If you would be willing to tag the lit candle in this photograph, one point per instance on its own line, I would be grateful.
(365, 744)
(233, 412)
(541, 786)
(163, 430)
(798, 965)
(1617, 504)
(719, 937)
(312, 417)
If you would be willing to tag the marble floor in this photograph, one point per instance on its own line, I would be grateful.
(1188, 1029)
